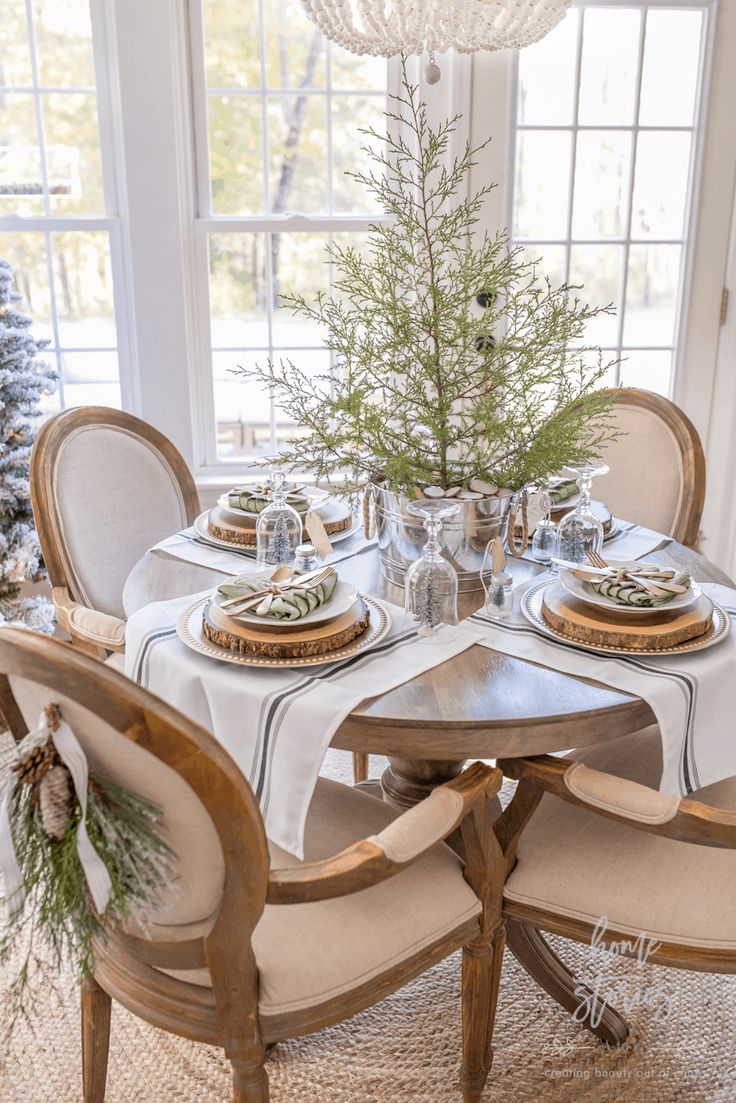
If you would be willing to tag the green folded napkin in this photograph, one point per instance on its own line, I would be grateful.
(562, 491)
(291, 605)
(628, 592)
(255, 502)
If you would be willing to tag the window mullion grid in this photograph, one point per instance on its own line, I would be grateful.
(574, 142)
(630, 192)
(46, 196)
(267, 237)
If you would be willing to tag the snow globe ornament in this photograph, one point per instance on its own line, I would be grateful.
(278, 529)
(430, 588)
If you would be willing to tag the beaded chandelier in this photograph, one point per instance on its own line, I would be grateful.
(389, 27)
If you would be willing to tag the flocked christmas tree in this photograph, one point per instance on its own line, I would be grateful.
(24, 378)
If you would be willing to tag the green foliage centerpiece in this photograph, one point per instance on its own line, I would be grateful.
(428, 392)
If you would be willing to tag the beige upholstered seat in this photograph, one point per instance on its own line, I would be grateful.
(105, 487)
(657, 467)
(243, 947)
(574, 863)
(310, 953)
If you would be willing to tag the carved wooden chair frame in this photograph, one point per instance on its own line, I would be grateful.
(627, 802)
(99, 632)
(126, 967)
(686, 525)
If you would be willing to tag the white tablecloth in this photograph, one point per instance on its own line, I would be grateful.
(276, 724)
(693, 695)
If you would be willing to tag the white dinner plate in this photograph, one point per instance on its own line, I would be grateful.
(531, 607)
(343, 598)
(584, 592)
(203, 532)
(190, 631)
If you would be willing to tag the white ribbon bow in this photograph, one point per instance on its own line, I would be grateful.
(73, 757)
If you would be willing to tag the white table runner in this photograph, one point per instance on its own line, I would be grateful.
(276, 724)
(693, 696)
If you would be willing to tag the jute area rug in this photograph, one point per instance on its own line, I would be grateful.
(682, 1047)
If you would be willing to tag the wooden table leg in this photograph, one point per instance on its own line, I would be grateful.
(535, 955)
(406, 781)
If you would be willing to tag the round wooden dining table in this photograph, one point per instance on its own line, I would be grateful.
(479, 704)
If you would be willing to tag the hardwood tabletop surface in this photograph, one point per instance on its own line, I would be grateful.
(480, 704)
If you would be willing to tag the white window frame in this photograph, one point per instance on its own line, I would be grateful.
(697, 131)
(109, 223)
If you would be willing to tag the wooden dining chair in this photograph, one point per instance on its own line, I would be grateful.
(105, 487)
(249, 945)
(657, 466)
(590, 836)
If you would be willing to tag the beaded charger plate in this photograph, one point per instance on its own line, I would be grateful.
(191, 632)
(531, 606)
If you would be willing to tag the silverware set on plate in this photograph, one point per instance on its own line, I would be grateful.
(282, 581)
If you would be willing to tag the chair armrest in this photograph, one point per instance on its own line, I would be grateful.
(381, 856)
(87, 626)
(626, 801)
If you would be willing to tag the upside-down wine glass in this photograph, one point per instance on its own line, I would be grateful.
(580, 531)
(430, 589)
(278, 528)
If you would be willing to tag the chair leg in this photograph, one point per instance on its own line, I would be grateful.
(250, 1079)
(96, 1011)
(482, 960)
(360, 767)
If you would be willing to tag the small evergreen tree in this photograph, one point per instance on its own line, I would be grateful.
(23, 380)
(426, 392)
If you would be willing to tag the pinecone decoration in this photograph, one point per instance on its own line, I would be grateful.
(56, 801)
(34, 765)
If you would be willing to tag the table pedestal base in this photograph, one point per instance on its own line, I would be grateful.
(406, 781)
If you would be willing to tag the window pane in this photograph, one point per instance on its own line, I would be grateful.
(651, 294)
(349, 71)
(312, 362)
(98, 368)
(238, 291)
(298, 154)
(300, 267)
(92, 394)
(242, 406)
(26, 253)
(232, 57)
(599, 268)
(21, 179)
(351, 114)
(15, 57)
(295, 49)
(660, 189)
(647, 368)
(547, 76)
(608, 66)
(83, 286)
(550, 261)
(236, 154)
(542, 184)
(601, 183)
(73, 159)
(671, 64)
(64, 43)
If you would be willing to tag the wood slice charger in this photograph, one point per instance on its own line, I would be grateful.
(592, 625)
(231, 528)
(275, 643)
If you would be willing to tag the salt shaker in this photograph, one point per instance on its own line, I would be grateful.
(500, 598)
(305, 558)
(543, 544)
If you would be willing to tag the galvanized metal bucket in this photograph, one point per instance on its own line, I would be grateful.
(464, 536)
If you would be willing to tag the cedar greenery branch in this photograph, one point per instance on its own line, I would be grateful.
(427, 393)
(57, 921)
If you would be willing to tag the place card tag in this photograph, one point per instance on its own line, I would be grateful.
(537, 507)
(318, 534)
